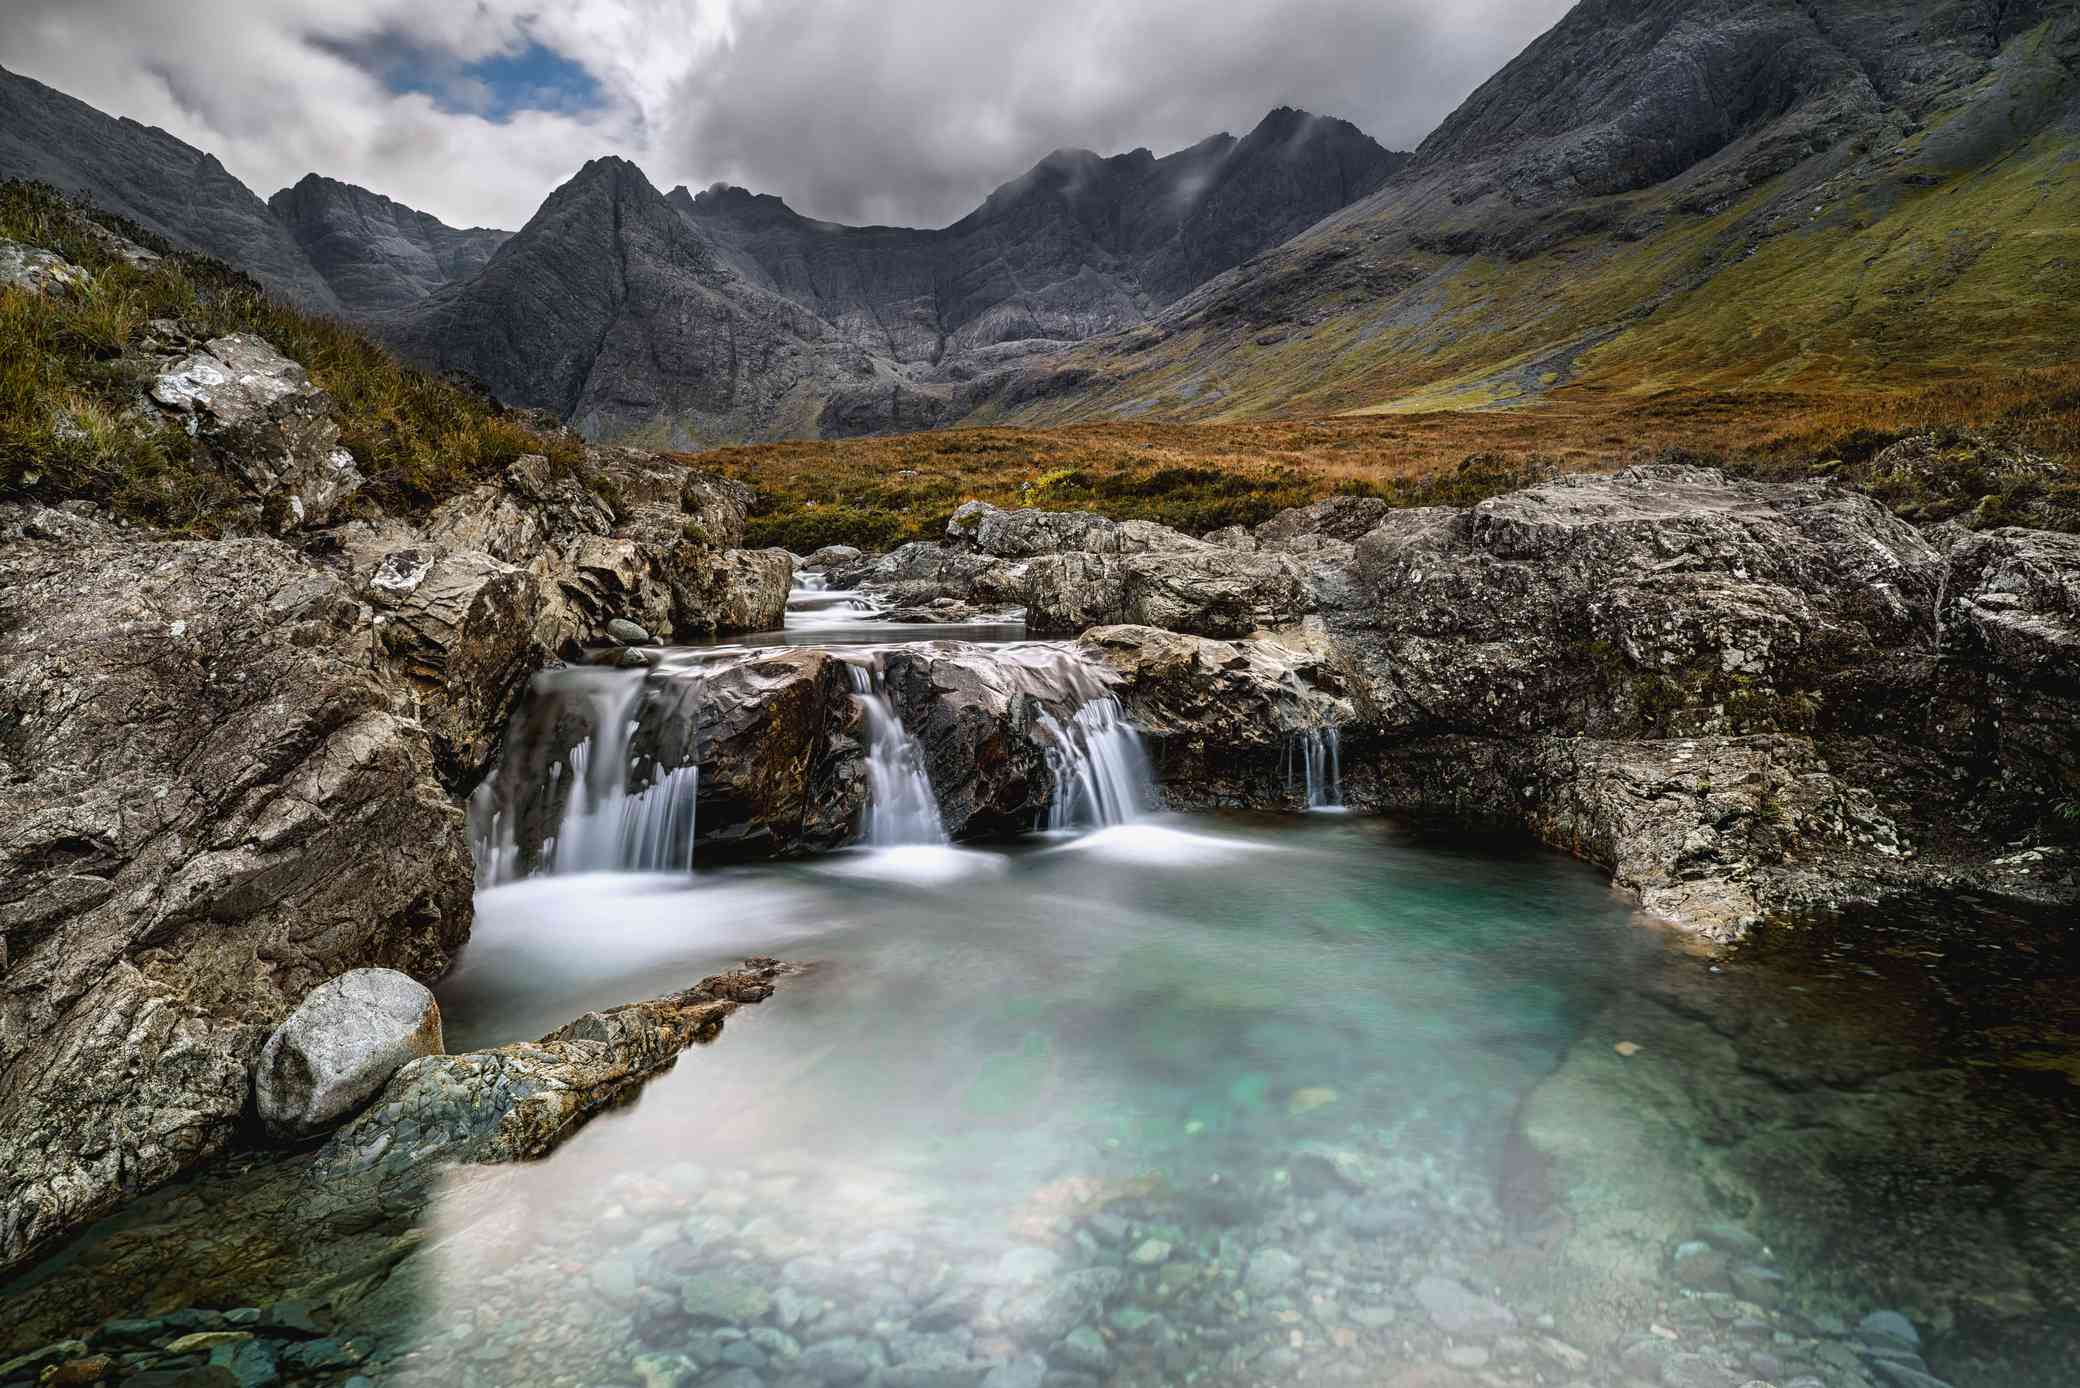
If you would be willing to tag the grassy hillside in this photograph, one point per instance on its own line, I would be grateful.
(1992, 449)
(74, 369)
(1865, 268)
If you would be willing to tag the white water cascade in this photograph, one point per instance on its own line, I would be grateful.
(604, 826)
(1318, 760)
(902, 808)
(1101, 772)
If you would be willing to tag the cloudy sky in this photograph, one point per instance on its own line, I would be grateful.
(899, 111)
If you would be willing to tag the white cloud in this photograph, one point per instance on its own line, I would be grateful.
(888, 110)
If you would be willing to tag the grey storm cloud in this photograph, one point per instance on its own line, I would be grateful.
(898, 111)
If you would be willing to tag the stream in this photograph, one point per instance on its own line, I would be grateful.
(1144, 1098)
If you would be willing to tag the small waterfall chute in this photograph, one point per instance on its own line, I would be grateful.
(604, 825)
(1101, 771)
(1314, 758)
(902, 808)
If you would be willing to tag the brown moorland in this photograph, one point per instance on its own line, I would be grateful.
(2003, 448)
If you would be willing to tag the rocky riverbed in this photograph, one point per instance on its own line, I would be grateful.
(238, 767)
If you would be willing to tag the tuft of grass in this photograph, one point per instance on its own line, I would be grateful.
(75, 424)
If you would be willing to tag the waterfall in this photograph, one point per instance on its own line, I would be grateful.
(902, 808)
(1101, 772)
(604, 825)
(1319, 759)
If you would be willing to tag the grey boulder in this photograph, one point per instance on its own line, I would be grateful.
(262, 415)
(340, 1047)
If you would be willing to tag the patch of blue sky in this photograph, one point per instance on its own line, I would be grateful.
(531, 78)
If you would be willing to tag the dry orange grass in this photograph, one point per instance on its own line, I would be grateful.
(879, 491)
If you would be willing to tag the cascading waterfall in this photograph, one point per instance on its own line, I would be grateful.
(1101, 772)
(902, 808)
(600, 771)
(604, 826)
(1315, 755)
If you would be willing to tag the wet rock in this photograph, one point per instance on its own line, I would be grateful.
(831, 557)
(664, 1370)
(1225, 713)
(1048, 1311)
(1270, 1271)
(78, 1373)
(264, 419)
(1026, 1371)
(1762, 1285)
(725, 1299)
(1698, 1264)
(1150, 1252)
(1083, 1350)
(1697, 1371)
(340, 1046)
(1902, 1376)
(714, 592)
(36, 1360)
(1888, 1329)
(251, 1364)
(1459, 1311)
(627, 632)
(840, 1361)
(1732, 1239)
(518, 1101)
(1467, 1356)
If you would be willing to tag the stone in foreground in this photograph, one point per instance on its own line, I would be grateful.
(340, 1047)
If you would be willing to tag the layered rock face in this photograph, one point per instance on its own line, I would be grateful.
(1077, 246)
(614, 311)
(1740, 698)
(376, 254)
(212, 806)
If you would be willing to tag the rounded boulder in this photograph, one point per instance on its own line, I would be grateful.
(340, 1046)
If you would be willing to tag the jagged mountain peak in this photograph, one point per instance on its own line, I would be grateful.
(376, 254)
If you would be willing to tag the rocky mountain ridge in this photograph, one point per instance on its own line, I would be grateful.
(375, 253)
(1821, 196)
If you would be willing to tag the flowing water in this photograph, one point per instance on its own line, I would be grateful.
(1154, 1099)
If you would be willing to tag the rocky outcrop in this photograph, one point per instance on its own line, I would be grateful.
(1740, 698)
(499, 582)
(1223, 716)
(266, 424)
(316, 1232)
(1070, 571)
(342, 1044)
(211, 806)
(234, 767)
(517, 1102)
(38, 272)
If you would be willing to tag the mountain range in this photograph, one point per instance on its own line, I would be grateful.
(1798, 194)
